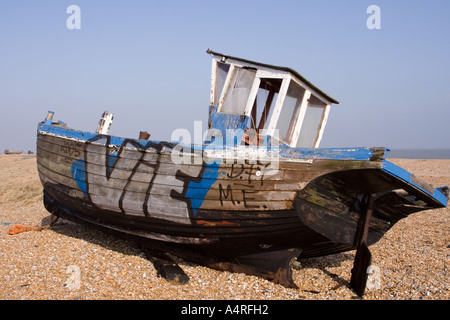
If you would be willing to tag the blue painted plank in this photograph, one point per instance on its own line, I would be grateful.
(211, 174)
(284, 151)
(404, 175)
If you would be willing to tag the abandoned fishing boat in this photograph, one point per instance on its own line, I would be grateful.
(7, 151)
(257, 194)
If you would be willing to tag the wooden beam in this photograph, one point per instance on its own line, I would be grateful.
(266, 111)
(363, 257)
(322, 125)
(300, 119)
(273, 122)
(226, 87)
(252, 96)
(212, 96)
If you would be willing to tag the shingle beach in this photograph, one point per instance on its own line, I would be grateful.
(71, 261)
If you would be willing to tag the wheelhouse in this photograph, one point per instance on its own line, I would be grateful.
(266, 101)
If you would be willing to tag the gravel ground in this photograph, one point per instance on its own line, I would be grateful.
(71, 261)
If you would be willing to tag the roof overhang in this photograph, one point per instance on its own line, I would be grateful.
(224, 57)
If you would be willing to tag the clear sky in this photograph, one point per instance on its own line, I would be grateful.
(146, 62)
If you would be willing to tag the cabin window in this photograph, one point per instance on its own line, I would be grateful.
(239, 91)
(311, 124)
(264, 103)
(290, 111)
(221, 75)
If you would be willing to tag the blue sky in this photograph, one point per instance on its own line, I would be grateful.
(146, 62)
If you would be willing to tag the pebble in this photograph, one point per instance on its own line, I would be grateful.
(70, 262)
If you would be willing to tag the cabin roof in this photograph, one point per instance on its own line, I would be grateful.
(286, 69)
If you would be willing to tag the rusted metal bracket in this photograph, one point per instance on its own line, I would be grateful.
(363, 257)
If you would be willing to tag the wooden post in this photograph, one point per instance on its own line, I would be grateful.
(363, 256)
(144, 135)
(105, 123)
(300, 117)
(49, 118)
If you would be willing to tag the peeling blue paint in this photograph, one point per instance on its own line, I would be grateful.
(112, 159)
(326, 153)
(196, 191)
(224, 122)
(406, 176)
(284, 150)
(78, 171)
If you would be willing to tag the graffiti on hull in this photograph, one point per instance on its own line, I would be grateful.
(138, 178)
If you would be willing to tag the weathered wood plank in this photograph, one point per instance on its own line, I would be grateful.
(143, 182)
(149, 162)
(244, 198)
(151, 155)
(240, 173)
(234, 192)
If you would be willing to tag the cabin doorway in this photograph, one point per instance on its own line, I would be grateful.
(262, 109)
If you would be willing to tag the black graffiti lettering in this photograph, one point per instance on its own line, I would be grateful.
(113, 154)
(71, 149)
(223, 195)
(186, 179)
(229, 193)
(232, 174)
(245, 198)
(249, 172)
(262, 172)
(151, 184)
(128, 157)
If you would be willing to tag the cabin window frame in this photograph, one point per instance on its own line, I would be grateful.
(295, 133)
(232, 78)
(260, 75)
(214, 99)
(321, 128)
(226, 87)
(272, 122)
(320, 125)
(213, 88)
(265, 109)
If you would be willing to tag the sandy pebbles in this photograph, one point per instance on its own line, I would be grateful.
(71, 261)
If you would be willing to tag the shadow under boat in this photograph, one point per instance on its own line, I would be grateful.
(168, 266)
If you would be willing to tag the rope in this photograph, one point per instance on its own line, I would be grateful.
(20, 228)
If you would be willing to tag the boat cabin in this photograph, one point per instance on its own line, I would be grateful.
(264, 100)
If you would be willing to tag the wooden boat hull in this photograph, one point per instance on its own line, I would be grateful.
(7, 151)
(226, 215)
